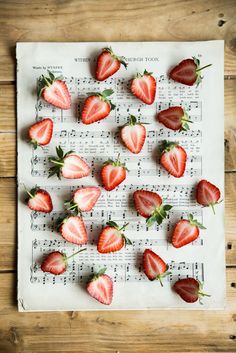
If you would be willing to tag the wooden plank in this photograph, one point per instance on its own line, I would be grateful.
(8, 222)
(117, 331)
(7, 123)
(125, 20)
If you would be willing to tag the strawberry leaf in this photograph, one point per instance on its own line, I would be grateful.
(112, 224)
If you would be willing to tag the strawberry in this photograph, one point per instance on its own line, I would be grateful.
(97, 107)
(174, 118)
(40, 133)
(108, 63)
(186, 231)
(207, 194)
(112, 239)
(133, 135)
(56, 262)
(39, 200)
(54, 91)
(144, 87)
(149, 205)
(173, 159)
(84, 199)
(113, 174)
(188, 72)
(72, 229)
(69, 165)
(154, 267)
(190, 290)
(100, 287)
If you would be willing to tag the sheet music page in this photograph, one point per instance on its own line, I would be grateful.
(204, 259)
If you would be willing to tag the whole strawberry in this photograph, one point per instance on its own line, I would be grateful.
(188, 72)
(97, 107)
(149, 205)
(112, 239)
(113, 173)
(40, 133)
(174, 118)
(143, 86)
(154, 267)
(83, 200)
(39, 200)
(56, 262)
(190, 290)
(133, 135)
(69, 165)
(207, 194)
(186, 231)
(54, 91)
(72, 229)
(100, 287)
(108, 63)
(173, 159)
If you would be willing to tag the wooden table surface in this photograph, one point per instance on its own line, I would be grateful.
(127, 331)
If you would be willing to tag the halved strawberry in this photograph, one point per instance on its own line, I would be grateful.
(100, 287)
(149, 205)
(108, 63)
(54, 91)
(69, 165)
(39, 200)
(174, 118)
(112, 239)
(40, 133)
(207, 194)
(97, 107)
(143, 86)
(190, 290)
(84, 199)
(186, 231)
(133, 135)
(56, 262)
(154, 267)
(113, 174)
(173, 159)
(72, 229)
(188, 72)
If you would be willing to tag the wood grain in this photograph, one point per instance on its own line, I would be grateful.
(120, 331)
(8, 222)
(8, 122)
(78, 20)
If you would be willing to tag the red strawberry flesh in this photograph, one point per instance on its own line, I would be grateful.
(74, 167)
(207, 194)
(101, 289)
(41, 132)
(144, 87)
(146, 202)
(86, 198)
(54, 263)
(188, 289)
(74, 231)
(154, 266)
(40, 201)
(174, 160)
(184, 233)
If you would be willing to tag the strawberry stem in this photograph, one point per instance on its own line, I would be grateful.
(124, 226)
(202, 68)
(56, 162)
(67, 258)
(212, 206)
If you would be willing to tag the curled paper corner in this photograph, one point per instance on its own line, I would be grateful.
(21, 305)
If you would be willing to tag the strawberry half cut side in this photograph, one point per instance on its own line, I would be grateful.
(143, 86)
(174, 118)
(39, 200)
(190, 290)
(133, 135)
(97, 107)
(188, 72)
(57, 262)
(149, 205)
(69, 165)
(112, 238)
(83, 200)
(54, 91)
(207, 194)
(154, 267)
(108, 63)
(100, 287)
(40, 133)
(173, 158)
